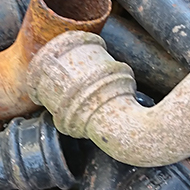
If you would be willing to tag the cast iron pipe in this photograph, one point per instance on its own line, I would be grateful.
(103, 172)
(167, 22)
(11, 16)
(91, 95)
(44, 20)
(31, 157)
(153, 66)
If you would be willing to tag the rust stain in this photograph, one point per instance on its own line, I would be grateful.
(140, 9)
(81, 62)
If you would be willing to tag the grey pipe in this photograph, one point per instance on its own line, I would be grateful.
(92, 96)
(167, 21)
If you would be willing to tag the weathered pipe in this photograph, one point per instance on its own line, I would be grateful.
(31, 156)
(91, 95)
(167, 22)
(103, 172)
(11, 15)
(153, 66)
(44, 20)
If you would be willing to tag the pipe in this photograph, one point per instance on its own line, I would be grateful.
(44, 20)
(11, 16)
(92, 96)
(167, 22)
(31, 157)
(103, 172)
(153, 66)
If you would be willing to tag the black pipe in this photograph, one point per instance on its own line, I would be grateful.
(31, 157)
(167, 21)
(104, 173)
(11, 16)
(128, 42)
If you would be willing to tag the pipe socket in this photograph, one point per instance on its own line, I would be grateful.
(31, 157)
(92, 96)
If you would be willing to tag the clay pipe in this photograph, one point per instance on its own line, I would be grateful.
(167, 22)
(128, 42)
(44, 20)
(92, 96)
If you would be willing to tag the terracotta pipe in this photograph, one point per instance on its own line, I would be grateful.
(91, 95)
(44, 20)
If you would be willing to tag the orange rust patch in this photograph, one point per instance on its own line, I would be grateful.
(81, 62)
(140, 9)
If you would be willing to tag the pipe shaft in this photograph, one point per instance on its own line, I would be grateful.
(103, 172)
(91, 95)
(153, 66)
(40, 25)
(167, 22)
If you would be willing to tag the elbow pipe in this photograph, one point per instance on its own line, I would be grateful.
(92, 96)
(44, 20)
(127, 42)
(167, 22)
(31, 156)
(11, 16)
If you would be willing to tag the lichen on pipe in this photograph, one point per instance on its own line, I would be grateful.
(167, 22)
(44, 20)
(92, 96)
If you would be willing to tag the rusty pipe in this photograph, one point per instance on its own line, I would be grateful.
(44, 20)
(92, 96)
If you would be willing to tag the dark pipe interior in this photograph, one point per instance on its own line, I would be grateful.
(79, 10)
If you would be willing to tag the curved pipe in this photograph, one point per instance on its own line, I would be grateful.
(167, 22)
(91, 95)
(40, 25)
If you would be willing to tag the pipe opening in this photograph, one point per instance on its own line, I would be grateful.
(79, 10)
